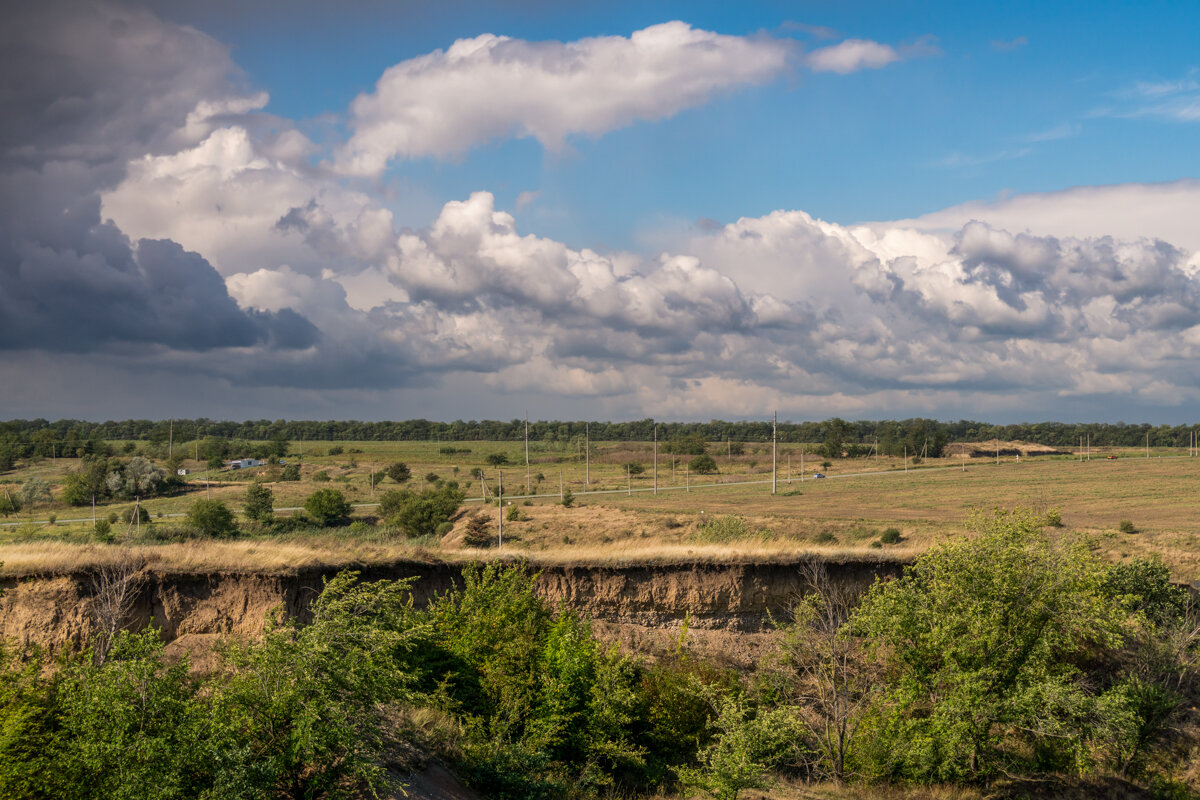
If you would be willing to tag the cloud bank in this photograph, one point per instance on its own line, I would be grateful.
(152, 225)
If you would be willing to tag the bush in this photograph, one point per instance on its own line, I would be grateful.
(703, 465)
(291, 472)
(260, 503)
(327, 508)
(513, 514)
(890, 536)
(103, 530)
(321, 477)
(431, 477)
(633, 468)
(825, 537)
(212, 518)
(336, 450)
(568, 498)
(1054, 518)
(399, 472)
(421, 514)
(1126, 526)
(9, 504)
(496, 459)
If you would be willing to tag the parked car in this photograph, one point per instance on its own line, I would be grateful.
(818, 475)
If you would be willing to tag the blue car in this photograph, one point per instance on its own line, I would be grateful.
(818, 475)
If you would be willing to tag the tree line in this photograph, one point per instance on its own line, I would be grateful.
(46, 438)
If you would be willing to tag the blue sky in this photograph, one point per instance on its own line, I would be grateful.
(1022, 97)
(607, 210)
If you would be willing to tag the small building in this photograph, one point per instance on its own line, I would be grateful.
(183, 471)
(244, 463)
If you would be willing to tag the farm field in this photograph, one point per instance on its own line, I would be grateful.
(618, 516)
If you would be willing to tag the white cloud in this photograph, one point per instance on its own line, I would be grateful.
(446, 102)
(851, 56)
(1126, 211)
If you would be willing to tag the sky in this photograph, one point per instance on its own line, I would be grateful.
(618, 210)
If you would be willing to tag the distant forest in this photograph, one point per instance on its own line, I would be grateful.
(39, 436)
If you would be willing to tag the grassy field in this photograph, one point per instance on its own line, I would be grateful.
(844, 514)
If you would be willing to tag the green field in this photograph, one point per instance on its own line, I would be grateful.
(620, 516)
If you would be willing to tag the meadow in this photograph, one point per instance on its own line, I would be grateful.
(617, 515)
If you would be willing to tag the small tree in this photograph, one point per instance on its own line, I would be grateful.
(478, 532)
(703, 465)
(35, 491)
(212, 518)
(260, 502)
(746, 747)
(634, 468)
(327, 507)
(568, 498)
(399, 472)
(291, 472)
(8, 503)
(496, 459)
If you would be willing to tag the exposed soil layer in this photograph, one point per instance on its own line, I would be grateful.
(725, 604)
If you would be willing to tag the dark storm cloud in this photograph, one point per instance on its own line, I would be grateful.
(84, 87)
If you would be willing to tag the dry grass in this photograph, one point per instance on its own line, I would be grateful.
(839, 517)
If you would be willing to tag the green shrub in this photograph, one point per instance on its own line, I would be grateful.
(1126, 526)
(825, 537)
(291, 472)
(431, 477)
(513, 514)
(103, 530)
(212, 518)
(1054, 518)
(336, 450)
(321, 476)
(260, 503)
(890, 536)
(496, 459)
(327, 508)
(568, 498)
(421, 514)
(703, 465)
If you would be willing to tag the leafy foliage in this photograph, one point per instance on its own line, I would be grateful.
(399, 472)
(703, 465)
(260, 502)
(420, 514)
(327, 508)
(212, 518)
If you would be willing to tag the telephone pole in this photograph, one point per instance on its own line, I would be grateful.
(500, 505)
(774, 451)
(656, 459)
(587, 454)
(526, 452)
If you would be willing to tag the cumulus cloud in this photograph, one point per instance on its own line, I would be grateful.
(853, 55)
(81, 98)
(446, 102)
(1164, 211)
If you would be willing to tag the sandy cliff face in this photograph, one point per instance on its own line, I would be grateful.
(721, 600)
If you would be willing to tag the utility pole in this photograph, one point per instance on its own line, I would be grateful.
(171, 441)
(687, 479)
(561, 495)
(802, 463)
(1147, 444)
(774, 452)
(628, 482)
(526, 452)
(500, 506)
(587, 454)
(655, 459)
(964, 457)
(906, 458)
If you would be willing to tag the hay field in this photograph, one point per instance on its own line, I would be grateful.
(843, 514)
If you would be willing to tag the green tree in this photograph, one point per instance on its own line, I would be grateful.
(306, 712)
(496, 459)
(34, 492)
(212, 518)
(128, 728)
(260, 502)
(747, 745)
(9, 504)
(291, 472)
(981, 639)
(399, 472)
(326, 508)
(703, 465)
(421, 514)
